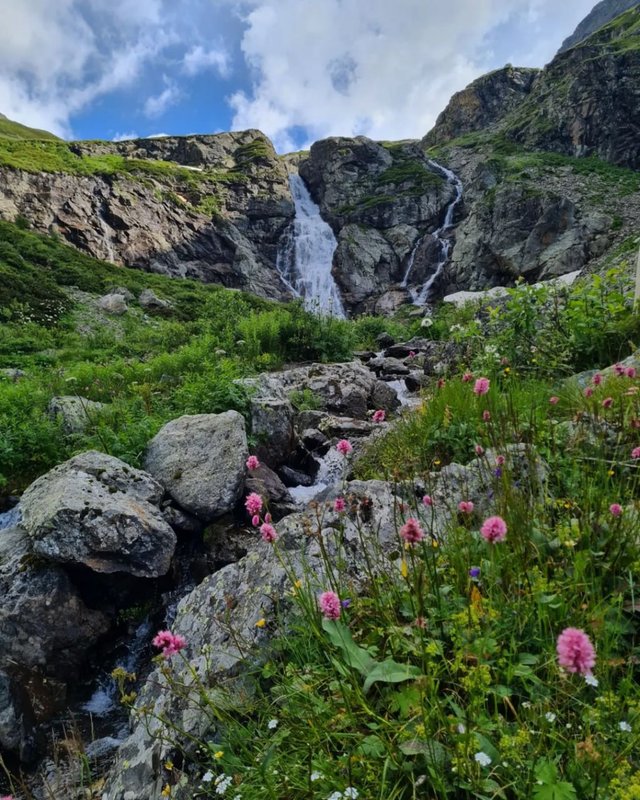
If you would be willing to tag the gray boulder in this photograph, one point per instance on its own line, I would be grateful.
(97, 511)
(75, 412)
(200, 460)
(114, 304)
(150, 301)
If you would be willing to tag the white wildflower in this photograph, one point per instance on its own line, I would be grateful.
(483, 759)
(222, 783)
(335, 796)
(591, 680)
(207, 777)
(462, 728)
(550, 716)
(427, 322)
(624, 726)
(272, 724)
(350, 793)
(316, 776)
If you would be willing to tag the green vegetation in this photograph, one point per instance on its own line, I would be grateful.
(14, 130)
(435, 671)
(147, 369)
(256, 151)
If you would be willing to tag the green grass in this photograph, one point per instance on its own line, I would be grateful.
(14, 130)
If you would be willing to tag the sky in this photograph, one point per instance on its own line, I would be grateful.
(299, 70)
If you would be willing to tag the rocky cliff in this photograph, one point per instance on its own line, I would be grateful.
(600, 15)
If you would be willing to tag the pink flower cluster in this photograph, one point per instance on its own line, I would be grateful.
(494, 529)
(268, 532)
(411, 531)
(253, 504)
(635, 453)
(615, 509)
(465, 507)
(169, 643)
(427, 501)
(575, 651)
(344, 446)
(339, 504)
(379, 416)
(481, 386)
(252, 462)
(329, 605)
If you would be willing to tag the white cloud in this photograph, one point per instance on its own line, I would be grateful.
(125, 137)
(199, 60)
(157, 105)
(379, 68)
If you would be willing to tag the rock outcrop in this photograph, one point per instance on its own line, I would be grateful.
(200, 460)
(96, 511)
(211, 208)
(600, 15)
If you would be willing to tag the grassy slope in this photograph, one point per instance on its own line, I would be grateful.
(14, 130)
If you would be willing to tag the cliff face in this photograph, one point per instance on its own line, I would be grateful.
(600, 15)
(206, 207)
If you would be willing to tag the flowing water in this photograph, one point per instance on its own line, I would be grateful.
(8, 519)
(306, 255)
(422, 296)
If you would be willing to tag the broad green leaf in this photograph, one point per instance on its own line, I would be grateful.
(390, 672)
(355, 656)
(432, 750)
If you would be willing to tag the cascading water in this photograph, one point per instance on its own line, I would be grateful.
(420, 297)
(306, 255)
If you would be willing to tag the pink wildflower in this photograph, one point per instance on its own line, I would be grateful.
(486, 416)
(616, 509)
(635, 453)
(597, 379)
(588, 391)
(619, 369)
(494, 529)
(441, 383)
(427, 500)
(344, 446)
(420, 622)
(268, 532)
(252, 462)
(411, 531)
(255, 520)
(268, 518)
(169, 643)
(479, 450)
(575, 651)
(379, 416)
(554, 400)
(481, 386)
(607, 402)
(253, 503)
(467, 377)
(500, 461)
(339, 504)
(412, 354)
(330, 606)
(630, 372)
(465, 506)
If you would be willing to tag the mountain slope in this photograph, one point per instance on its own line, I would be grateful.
(14, 130)
(600, 15)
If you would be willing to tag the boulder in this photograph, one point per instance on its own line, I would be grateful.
(45, 631)
(384, 397)
(200, 460)
(265, 482)
(150, 301)
(75, 412)
(114, 304)
(94, 510)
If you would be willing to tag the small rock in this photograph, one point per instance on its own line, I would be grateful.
(113, 304)
(75, 412)
(385, 340)
(150, 301)
(293, 477)
(12, 374)
(265, 482)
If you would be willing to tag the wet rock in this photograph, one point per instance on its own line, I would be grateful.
(384, 340)
(272, 427)
(75, 412)
(415, 381)
(200, 460)
(45, 631)
(415, 345)
(384, 397)
(114, 304)
(265, 482)
(180, 521)
(314, 440)
(97, 511)
(294, 477)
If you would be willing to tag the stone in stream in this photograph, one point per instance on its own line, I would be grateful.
(200, 460)
(94, 510)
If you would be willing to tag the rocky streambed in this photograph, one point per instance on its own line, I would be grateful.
(98, 555)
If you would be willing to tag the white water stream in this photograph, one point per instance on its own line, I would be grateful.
(306, 255)
(421, 296)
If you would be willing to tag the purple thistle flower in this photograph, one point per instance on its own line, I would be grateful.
(474, 572)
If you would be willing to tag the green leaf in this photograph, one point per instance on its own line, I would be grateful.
(390, 672)
(355, 656)
(550, 787)
(433, 751)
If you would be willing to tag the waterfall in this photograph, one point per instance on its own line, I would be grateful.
(420, 297)
(305, 257)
